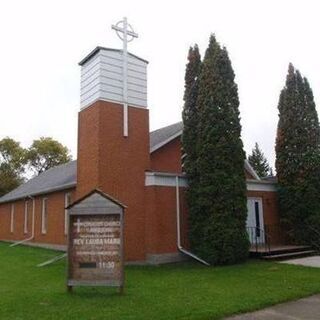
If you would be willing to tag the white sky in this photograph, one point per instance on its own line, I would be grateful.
(43, 41)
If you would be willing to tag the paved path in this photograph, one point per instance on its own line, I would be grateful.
(308, 262)
(306, 309)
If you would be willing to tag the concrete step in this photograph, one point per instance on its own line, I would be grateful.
(289, 249)
(277, 250)
(289, 255)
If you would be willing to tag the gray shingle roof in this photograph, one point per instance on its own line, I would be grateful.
(65, 175)
(160, 137)
(57, 178)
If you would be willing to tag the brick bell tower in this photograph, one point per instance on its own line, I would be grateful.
(113, 135)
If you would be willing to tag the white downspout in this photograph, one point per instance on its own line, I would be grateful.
(32, 228)
(181, 249)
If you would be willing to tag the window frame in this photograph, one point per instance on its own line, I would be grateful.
(44, 215)
(26, 213)
(12, 210)
(67, 202)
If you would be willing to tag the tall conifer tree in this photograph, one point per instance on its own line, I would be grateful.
(298, 157)
(222, 210)
(189, 136)
(259, 162)
(190, 113)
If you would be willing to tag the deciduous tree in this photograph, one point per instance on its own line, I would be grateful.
(46, 153)
(12, 162)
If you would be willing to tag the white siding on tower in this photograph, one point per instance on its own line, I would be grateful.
(101, 79)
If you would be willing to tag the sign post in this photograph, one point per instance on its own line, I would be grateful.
(95, 242)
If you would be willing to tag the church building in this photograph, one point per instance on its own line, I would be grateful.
(118, 155)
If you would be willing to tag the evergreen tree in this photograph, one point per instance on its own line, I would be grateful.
(259, 162)
(220, 232)
(189, 136)
(298, 157)
(189, 113)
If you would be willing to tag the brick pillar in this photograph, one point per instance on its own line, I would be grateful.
(108, 160)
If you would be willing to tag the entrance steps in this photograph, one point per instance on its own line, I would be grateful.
(284, 252)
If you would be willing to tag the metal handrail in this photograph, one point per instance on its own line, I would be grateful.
(259, 237)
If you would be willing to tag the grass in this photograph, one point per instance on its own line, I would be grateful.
(180, 291)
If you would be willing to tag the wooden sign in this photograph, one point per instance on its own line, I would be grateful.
(95, 242)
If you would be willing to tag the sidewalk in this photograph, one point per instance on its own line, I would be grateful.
(306, 309)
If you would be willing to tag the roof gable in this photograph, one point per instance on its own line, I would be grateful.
(162, 136)
(96, 202)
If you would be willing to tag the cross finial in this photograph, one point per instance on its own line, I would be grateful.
(125, 28)
(126, 34)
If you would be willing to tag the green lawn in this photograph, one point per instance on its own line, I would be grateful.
(181, 291)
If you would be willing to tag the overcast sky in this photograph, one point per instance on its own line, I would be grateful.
(43, 41)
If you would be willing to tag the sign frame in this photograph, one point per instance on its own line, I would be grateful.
(87, 206)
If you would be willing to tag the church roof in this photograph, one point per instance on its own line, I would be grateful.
(57, 178)
(162, 136)
(65, 176)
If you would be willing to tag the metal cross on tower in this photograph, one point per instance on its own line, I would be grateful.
(126, 34)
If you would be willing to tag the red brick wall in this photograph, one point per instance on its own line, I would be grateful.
(117, 165)
(168, 157)
(88, 149)
(161, 233)
(120, 163)
(161, 220)
(160, 226)
(161, 215)
(249, 175)
(55, 231)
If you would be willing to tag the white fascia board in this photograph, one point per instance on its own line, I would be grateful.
(162, 143)
(248, 166)
(165, 179)
(87, 105)
(260, 185)
(169, 180)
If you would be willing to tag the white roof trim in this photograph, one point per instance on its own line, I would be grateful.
(162, 143)
(260, 185)
(165, 174)
(248, 166)
(110, 100)
(164, 179)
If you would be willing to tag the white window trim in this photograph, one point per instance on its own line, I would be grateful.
(12, 218)
(43, 216)
(25, 225)
(66, 203)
